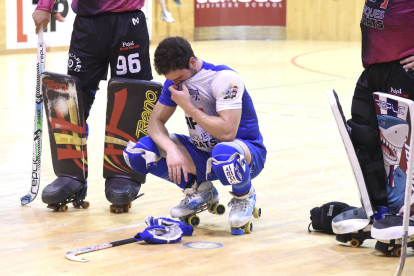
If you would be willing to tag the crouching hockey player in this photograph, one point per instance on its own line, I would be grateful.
(225, 142)
(380, 128)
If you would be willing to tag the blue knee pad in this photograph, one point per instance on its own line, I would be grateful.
(144, 157)
(230, 167)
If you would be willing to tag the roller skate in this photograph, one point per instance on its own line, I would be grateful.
(198, 198)
(242, 209)
(388, 232)
(352, 226)
(63, 191)
(121, 192)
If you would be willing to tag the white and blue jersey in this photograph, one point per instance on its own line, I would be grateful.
(215, 88)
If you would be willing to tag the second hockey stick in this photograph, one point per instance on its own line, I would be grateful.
(38, 121)
(72, 255)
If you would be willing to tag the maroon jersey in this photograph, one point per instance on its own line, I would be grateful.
(387, 30)
(92, 7)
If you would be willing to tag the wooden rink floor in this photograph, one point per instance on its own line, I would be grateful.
(306, 167)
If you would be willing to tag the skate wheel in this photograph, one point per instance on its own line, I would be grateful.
(396, 252)
(85, 205)
(64, 208)
(125, 208)
(111, 208)
(219, 209)
(194, 220)
(248, 228)
(211, 209)
(130, 204)
(355, 243)
(257, 212)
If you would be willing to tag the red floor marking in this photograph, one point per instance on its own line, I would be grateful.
(293, 61)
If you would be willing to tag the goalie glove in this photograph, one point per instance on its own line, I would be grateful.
(160, 234)
(167, 222)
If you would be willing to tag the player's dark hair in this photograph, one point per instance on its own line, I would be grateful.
(171, 54)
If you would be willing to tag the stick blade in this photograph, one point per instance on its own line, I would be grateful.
(24, 200)
(71, 255)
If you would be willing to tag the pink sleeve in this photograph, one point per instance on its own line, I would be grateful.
(46, 5)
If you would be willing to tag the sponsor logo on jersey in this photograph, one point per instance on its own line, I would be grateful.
(372, 17)
(195, 95)
(135, 21)
(231, 92)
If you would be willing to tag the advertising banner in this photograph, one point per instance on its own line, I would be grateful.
(216, 13)
(20, 28)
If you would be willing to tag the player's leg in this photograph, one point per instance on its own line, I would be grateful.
(388, 231)
(67, 132)
(129, 106)
(129, 51)
(146, 157)
(230, 166)
(356, 224)
(88, 60)
(128, 55)
(165, 15)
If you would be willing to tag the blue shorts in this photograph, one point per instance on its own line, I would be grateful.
(200, 158)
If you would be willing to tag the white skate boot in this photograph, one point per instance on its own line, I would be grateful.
(198, 198)
(242, 209)
(388, 233)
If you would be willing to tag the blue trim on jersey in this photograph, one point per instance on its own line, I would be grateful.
(165, 97)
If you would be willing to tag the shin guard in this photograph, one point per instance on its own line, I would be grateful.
(129, 107)
(67, 131)
(67, 134)
(230, 167)
(144, 157)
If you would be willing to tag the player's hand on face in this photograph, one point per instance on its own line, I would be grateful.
(176, 164)
(182, 98)
(408, 62)
(41, 19)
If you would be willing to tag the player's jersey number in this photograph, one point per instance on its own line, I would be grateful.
(130, 63)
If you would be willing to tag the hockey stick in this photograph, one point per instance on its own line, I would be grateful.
(72, 255)
(37, 135)
(407, 200)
